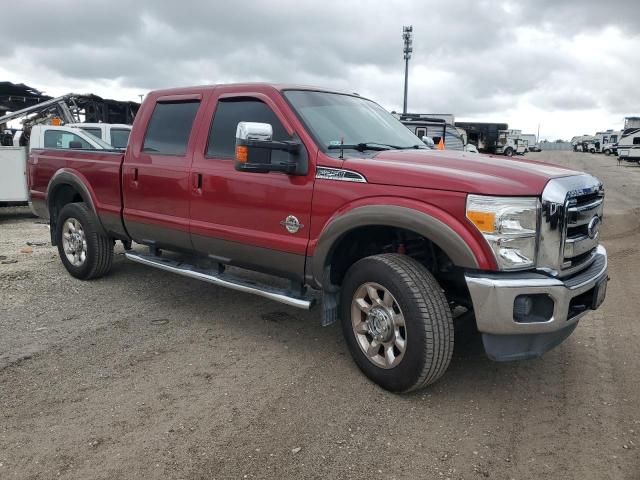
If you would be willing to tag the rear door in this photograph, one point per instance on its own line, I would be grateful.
(240, 217)
(155, 180)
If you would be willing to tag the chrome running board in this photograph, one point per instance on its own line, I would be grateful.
(221, 279)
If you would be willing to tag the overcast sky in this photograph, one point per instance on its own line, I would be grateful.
(572, 66)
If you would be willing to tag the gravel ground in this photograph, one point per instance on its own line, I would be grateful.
(144, 374)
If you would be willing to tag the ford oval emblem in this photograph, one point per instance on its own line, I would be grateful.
(291, 224)
(593, 227)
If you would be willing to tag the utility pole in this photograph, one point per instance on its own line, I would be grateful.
(407, 35)
(538, 136)
(141, 95)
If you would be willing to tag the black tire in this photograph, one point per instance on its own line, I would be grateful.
(428, 321)
(508, 152)
(607, 152)
(99, 247)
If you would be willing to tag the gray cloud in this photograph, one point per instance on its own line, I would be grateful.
(470, 57)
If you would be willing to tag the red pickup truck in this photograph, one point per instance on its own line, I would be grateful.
(329, 191)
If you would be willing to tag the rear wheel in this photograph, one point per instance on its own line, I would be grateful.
(508, 152)
(607, 152)
(85, 251)
(396, 321)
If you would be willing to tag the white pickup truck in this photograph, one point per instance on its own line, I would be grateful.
(13, 160)
(115, 134)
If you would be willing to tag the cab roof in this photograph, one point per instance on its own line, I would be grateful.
(246, 86)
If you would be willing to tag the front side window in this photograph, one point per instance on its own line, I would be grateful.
(230, 112)
(335, 118)
(62, 139)
(120, 137)
(169, 127)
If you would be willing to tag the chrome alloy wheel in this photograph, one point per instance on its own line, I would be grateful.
(74, 242)
(378, 325)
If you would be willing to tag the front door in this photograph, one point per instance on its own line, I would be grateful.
(155, 178)
(255, 220)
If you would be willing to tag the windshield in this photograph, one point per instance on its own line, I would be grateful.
(335, 118)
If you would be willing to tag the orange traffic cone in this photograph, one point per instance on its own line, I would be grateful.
(441, 144)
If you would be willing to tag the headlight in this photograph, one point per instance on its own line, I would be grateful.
(509, 224)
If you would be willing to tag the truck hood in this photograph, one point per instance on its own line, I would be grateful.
(457, 171)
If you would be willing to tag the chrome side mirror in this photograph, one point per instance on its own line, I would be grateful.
(254, 144)
(254, 131)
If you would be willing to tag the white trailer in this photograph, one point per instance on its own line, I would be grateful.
(611, 145)
(600, 141)
(582, 143)
(629, 143)
(510, 143)
(532, 144)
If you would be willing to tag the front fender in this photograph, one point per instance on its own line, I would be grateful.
(447, 232)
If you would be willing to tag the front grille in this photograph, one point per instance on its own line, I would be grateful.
(576, 232)
(571, 213)
(585, 199)
(596, 266)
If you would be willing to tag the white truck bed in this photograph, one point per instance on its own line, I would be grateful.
(13, 174)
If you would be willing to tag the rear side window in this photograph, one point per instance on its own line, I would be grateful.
(120, 137)
(93, 131)
(169, 128)
(62, 139)
(222, 137)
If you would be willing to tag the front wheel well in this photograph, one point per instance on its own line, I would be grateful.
(371, 240)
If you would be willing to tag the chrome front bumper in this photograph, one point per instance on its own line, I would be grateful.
(493, 297)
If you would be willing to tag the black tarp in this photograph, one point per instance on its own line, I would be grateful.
(16, 96)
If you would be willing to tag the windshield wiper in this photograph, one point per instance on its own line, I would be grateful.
(375, 146)
(361, 147)
(415, 147)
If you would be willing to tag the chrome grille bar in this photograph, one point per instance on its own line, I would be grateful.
(569, 234)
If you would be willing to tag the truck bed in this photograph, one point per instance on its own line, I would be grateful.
(99, 171)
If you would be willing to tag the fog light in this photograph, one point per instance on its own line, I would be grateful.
(522, 307)
(533, 308)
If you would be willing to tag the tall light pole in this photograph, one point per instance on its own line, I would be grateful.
(407, 35)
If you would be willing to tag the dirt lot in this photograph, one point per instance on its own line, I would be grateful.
(147, 375)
